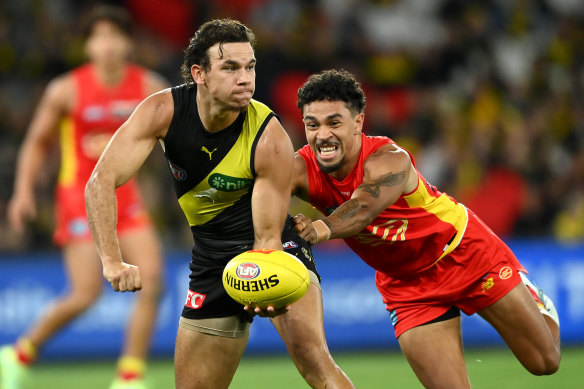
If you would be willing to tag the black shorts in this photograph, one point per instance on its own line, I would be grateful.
(207, 298)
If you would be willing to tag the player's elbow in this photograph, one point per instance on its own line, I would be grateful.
(94, 186)
(91, 188)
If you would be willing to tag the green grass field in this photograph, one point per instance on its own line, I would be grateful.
(487, 368)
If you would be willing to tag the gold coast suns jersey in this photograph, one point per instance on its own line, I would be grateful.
(214, 175)
(411, 235)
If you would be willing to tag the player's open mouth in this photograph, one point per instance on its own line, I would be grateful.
(327, 151)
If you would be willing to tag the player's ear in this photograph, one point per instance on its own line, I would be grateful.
(359, 119)
(198, 74)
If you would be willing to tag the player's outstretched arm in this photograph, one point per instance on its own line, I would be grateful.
(40, 136)
(388, 173)
(125, 153)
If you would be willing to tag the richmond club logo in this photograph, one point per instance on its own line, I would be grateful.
(247, 271)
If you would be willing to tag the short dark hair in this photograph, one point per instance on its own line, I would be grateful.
(213, 32)
(333, 85)
(115, 15)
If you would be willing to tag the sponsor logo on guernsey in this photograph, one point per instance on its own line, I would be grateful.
(177, 172)
(206, 150)
(487, 284)
(226, 183)
(505, 272)
(94, 113)
(253, 286)
(247, 271)
(195, 299)
(289, 245)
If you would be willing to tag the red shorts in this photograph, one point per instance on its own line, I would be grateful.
(71, 216)
(480, 271)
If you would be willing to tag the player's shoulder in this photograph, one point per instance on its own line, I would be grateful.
(300, 177)
(161, 102)
(299, 164)
(387, 157)
(156, 111)
(63, 81)
(60, 92)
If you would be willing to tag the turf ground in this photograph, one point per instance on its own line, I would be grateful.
(487, 369)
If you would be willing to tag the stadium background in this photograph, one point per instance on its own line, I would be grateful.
(486, 94)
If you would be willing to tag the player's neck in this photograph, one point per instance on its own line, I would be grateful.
(109, 74)
(213, 117)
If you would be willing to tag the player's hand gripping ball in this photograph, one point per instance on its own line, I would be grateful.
(266, 277)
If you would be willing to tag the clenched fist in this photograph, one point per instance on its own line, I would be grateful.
(122, 276)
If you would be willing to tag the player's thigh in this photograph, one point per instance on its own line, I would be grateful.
(434, 351)
(303, 324)
(83, 268)
(517, 319)
(206, 361)
(141, 247)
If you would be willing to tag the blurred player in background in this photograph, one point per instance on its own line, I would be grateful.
(433, 256)
(232, 164)
(87, 105)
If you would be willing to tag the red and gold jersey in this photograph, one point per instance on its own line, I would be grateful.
(411, 235)
(97, 113)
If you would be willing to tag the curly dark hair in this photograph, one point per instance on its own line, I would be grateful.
(113, 14)
(333, 85)
(215, 31)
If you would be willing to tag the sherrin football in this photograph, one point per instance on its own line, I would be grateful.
(266, 277)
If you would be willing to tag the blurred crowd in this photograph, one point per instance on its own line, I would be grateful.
(487, 95)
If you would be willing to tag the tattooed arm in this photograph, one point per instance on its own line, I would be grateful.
(387, 174)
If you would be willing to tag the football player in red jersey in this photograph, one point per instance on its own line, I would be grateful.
(83, 108)
(433, 256)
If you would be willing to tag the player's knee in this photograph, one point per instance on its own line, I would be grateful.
(313, 361)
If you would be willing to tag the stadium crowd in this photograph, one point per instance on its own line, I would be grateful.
(487, 95)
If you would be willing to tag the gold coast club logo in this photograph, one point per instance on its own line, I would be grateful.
(505, 272)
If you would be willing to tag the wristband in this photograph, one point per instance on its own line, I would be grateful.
(323, 232)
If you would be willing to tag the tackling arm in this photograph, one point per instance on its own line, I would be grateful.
(388, 174)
